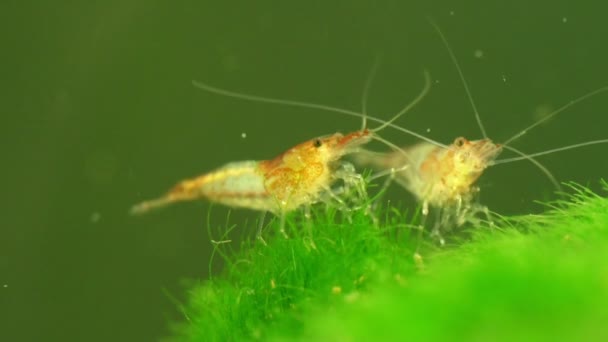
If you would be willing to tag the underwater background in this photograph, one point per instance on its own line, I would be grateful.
(100, 113)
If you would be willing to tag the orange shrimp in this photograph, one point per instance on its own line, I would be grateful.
(299, 176)
(296, 177)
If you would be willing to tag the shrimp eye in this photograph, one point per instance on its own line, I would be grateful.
(317, 143)
(459, 142)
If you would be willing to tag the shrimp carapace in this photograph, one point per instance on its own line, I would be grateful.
(301, 174)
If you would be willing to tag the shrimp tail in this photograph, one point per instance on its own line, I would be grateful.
(147, 206)
(183, 191)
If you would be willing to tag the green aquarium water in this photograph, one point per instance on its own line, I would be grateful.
(100, 113)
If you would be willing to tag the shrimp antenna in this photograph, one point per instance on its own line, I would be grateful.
(460, 74)
(421, 95)
(301, 104)
(407, 108)
(542, 153)
(364, 98)
(559, 110)
(367, 87)
(536, 163)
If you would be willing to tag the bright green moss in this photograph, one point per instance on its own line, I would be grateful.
(533, 278)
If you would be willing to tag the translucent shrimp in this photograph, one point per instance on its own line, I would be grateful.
(296, 177)
(439, 177)
(444, 177)
(301, 176)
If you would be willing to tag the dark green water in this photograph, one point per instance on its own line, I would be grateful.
(100, 113)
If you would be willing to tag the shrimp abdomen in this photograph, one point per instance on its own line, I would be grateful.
(237, 184)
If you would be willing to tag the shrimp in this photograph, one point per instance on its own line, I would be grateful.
(440, 177)
(444, 177)
(301, 176)
(296, 177)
